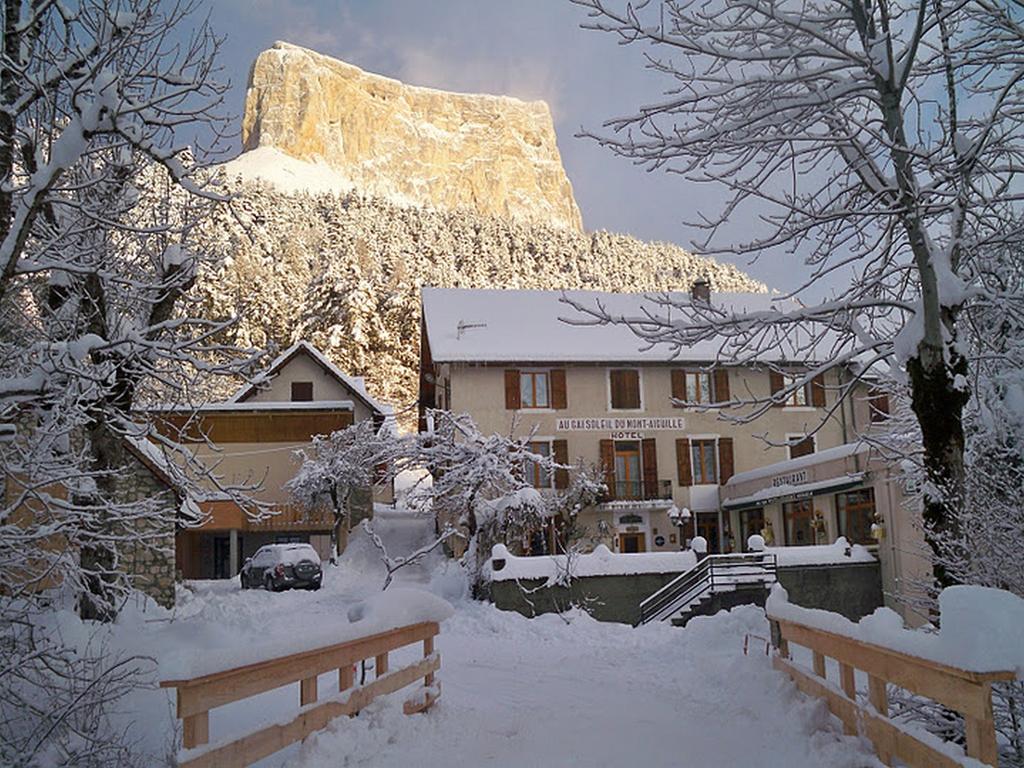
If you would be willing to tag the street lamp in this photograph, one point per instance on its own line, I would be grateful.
(679, 518)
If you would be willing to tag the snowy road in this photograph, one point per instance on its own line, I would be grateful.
(543, 693)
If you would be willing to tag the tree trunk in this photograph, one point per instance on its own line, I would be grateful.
(939, 408)
(98, 601)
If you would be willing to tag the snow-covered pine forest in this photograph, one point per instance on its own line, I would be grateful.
(344, 272)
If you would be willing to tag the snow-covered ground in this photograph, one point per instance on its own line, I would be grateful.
(551, 691)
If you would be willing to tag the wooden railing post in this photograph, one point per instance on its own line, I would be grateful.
(428, 649)
(819, 664)
(981, 731)
(346, 677)
(380, 665)
(195, 730)
(307, 691)
(846, 680)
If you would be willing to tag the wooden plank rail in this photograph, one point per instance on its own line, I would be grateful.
(197, 696)
(966, 692)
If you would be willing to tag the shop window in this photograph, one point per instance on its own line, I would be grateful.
(856, 513)
(537, 474)
(302, 391)
(705, 462)
(534, 389)
(799, 520)
(625, 388)
(800, 447)
(751, 524)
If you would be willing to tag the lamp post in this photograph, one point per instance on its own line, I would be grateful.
(679, 518)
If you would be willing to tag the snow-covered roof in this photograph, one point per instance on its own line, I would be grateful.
(802, 462)
(478, 325)
(354, 384)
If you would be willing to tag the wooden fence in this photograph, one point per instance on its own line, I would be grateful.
(197, 696)
(968, 693)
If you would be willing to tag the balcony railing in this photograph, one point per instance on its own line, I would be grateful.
(638, 490)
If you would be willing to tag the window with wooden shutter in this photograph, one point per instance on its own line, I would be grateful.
(777, 383)
(878, 405)
(678, 386)
(512, 390)
(726, 465)
(705, 462)
(800, 447)
(561, 454)
(649, 451)
(536, 473)
(608, 465)
(818, 391)
(685, 473)
(722, 385)
(302, 391)
(559, 397)
(625, 386)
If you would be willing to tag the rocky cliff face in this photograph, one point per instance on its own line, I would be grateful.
(493, 155)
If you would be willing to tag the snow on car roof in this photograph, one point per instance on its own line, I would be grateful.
(493, 325)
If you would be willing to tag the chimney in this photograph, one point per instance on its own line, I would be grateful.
(701, 291)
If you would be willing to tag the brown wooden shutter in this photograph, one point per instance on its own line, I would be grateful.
(721, 379)
(678, 385)
(649, 457)
(633, 388)
(878, 404)
(512, 399)
(560, 449)
(726, 465)
(559, 400)
(608, 465)
(818, 391)
(776, 383)
(683, 463)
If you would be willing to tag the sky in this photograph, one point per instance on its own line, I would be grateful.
(530, 49)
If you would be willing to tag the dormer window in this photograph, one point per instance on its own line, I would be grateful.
(302, 391)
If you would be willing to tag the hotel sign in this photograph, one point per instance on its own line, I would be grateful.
(621, 424)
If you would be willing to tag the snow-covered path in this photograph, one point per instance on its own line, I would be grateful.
(520, 692)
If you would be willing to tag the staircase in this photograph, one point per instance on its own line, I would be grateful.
(716, 582)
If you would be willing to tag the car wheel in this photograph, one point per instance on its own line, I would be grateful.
(268, 583)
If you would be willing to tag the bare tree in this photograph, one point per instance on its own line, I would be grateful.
(880, 141)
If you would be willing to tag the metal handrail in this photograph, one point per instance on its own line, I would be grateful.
(712, 571)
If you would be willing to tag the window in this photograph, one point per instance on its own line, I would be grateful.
(537, 474)
(705, 462)
(533, 389)
(798, 397)
(302, 391)
(628, 479)
(799, 519)
(800, 446)
(625, 386)
(698, 387)
(751, 524)
(856, 512)
(878, 405)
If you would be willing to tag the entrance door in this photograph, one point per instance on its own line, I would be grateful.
(632, 542)
(707, 526)
(221, 557)
(751, 524)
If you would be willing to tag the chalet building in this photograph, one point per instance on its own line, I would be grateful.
(596, 394)
(250, 440)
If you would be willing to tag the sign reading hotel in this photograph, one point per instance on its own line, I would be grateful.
(621, 424)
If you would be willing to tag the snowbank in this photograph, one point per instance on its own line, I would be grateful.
(601, 562)
(981, 628)
(218, 650)
(823, 554)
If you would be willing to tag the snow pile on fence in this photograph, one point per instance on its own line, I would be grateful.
(601, 562)
(221, 648)
(981, 628)
(822, 554)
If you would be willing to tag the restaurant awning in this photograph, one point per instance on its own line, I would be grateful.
(783, 493)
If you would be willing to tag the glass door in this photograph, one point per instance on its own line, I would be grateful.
(627, 470)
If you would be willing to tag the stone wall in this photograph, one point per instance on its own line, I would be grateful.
(853, 590)
(149, 560)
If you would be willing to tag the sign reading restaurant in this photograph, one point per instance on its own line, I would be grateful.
(638, 424)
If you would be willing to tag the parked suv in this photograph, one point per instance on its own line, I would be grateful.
(282, 566)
